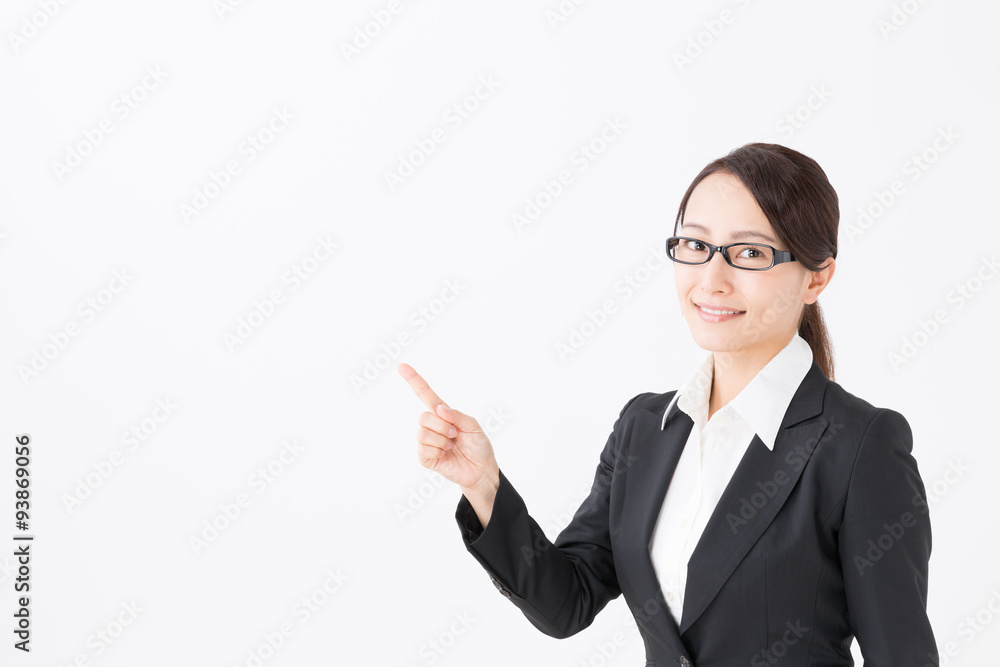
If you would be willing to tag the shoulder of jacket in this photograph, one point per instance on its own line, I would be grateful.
(650, 401)
(860, 415)
(838, 398)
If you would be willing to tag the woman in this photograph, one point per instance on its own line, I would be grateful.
(759, 513)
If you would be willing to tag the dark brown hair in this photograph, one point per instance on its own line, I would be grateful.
(802, 207)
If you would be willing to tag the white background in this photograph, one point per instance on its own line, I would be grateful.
(353, 501)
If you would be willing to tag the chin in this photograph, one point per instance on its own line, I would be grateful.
(712, 341)
(720, 337)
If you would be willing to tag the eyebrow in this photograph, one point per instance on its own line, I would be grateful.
(747, 233)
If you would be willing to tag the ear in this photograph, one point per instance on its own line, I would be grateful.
(818, 280)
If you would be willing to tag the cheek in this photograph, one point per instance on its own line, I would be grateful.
(683, 286)
(771, 298)
(758, 297)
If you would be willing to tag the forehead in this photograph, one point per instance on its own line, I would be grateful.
(722, 191)
(725, 186)
(721, 208)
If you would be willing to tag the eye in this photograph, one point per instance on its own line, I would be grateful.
(695, 245)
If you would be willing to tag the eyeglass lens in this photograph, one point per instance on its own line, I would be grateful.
(745, 255)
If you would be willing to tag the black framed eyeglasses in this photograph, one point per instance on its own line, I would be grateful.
(746, 256)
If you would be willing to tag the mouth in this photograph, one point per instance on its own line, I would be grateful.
(711, 313)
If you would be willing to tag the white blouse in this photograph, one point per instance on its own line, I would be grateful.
(711, 454)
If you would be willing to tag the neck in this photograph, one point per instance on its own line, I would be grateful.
(733, 370)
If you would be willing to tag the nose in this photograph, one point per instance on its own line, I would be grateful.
(716, 273)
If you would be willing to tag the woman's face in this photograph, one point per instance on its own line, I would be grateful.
(768, 303)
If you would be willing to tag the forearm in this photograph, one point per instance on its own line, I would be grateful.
(559, 590)
(482, 496)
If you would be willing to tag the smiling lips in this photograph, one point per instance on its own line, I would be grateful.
(718, 310)
(711, 313)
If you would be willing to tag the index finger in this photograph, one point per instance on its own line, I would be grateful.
(419, 386)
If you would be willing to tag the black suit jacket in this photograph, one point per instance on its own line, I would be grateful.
(825, 538)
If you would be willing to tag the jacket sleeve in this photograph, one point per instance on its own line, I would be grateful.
(560, 587)
(885, 545)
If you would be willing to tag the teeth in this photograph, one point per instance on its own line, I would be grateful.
(719, 312)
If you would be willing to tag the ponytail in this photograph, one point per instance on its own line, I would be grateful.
(812, 328)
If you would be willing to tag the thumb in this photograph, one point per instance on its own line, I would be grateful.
(462, 421)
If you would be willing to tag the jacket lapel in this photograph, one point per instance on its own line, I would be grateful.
(758, 489)
(653, 455)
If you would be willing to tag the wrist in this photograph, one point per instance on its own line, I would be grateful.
(486, 487)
